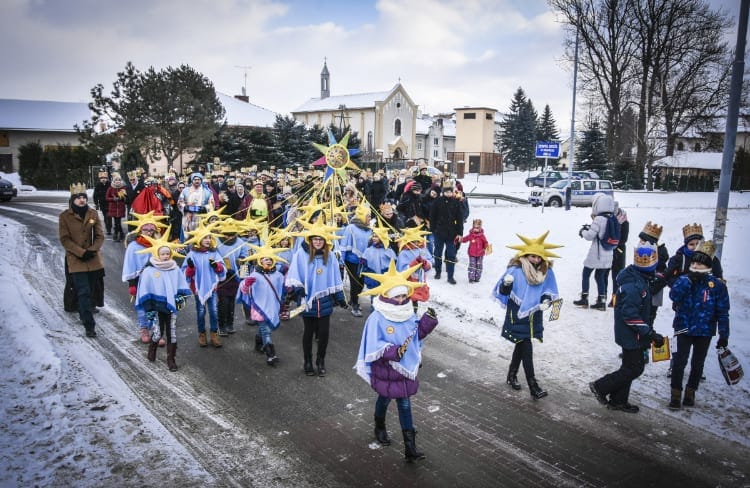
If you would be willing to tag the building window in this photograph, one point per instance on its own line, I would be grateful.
(419, 145)
(488, 116)
(697, 147)
(369, 141)
(397, 127)
(680, 146)
(435, 141)
(470, 115)
(435, 153)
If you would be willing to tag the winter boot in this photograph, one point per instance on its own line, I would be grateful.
(535, 390)
(309, 370)
(258, 343)
(512, 379)
(171, 352)
(689, 400)
(270, 354)
(320, 362)
(583, 302)
(675, 401)
(215, 341)
(611, 303)
(600, 303)
(152, 347)
(202, 339)
(380, 433)
(410, 446)
(356, 311)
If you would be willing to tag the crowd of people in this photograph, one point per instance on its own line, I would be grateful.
(278, 244)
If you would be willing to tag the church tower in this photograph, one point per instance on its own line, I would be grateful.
(325, 82)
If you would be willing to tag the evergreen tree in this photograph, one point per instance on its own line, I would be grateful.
(518, 141)
(290, 137)
(591, 153)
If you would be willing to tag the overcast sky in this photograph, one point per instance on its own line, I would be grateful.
(446, 53)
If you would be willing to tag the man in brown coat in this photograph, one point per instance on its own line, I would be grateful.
(82, 236)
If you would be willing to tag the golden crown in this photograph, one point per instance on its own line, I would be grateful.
(77, 188)
(707, 248)
(643, 260)
(653, 230)
(692, 230)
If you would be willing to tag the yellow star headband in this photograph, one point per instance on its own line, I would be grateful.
(382, 233)
(363, 211)
(147, 218)
(265, 251)
(535, 246)
(200, 233)
(411, 234)
(162, 241)
(318, 228)
(219, 214)
(391, 279)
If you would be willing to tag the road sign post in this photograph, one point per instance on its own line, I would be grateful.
(546, 150)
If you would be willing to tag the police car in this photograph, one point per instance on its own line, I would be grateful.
(581, 194)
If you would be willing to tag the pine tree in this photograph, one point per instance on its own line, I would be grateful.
(591, 153)
(518, 141)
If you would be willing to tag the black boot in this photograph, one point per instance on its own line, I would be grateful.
(258, 343)
(601, 303)
(689, 400)
(152, 347)
(513, 378)
(380, 433)
(309, 370)
(535, 390)
(270, 354)
(410, 446)
(675, 401)
(320, 362)
(171, 352)
(582, 302)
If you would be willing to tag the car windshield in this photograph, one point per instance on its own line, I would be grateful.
(559, 184)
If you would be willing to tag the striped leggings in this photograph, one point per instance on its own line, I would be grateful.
(475, 268)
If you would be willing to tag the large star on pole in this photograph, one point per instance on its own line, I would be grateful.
(336, 155)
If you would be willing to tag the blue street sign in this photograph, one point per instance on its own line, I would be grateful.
(548, 149)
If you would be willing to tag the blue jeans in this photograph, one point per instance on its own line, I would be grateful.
(404, 410)
(600, 277)
(213, 313)
(141, 316)
(450, 255)
(264, 331)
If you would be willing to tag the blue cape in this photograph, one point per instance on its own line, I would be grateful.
(527, 297)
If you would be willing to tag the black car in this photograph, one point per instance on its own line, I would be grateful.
(7, 190)
(554, 175)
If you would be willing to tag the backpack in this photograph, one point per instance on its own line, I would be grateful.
(611, 237)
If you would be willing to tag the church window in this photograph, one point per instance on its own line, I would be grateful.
(397, 127)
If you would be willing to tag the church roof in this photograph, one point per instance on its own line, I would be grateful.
(42, 115)
(357, 100)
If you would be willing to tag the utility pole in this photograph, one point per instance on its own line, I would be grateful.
(730, 133)
(571, 148)
(246, 69)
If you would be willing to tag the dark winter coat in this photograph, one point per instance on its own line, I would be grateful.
(633, 308)
(388, 382)
(446, 218)
(701, 304)
(100, 196)
(411, 205)
(679, 264)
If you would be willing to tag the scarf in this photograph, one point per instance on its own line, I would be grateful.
(167, 265)
(533, 275)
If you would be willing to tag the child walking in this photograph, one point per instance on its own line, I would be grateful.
(478, 245)
(390, 352)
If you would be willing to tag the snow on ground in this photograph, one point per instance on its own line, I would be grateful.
(69, 419)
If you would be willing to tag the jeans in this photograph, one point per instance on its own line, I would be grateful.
(450, 255)
(600, 277)
(83, 283)
(264, 332)
(617, 384)
(699, 345)
(213, 313)
(404, 410)
(141, 316)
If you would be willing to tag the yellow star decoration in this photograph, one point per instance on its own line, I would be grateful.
(162, 241)
(383, 235)
(391, 279)
(318, 228)
(218, 213)
(336, 154)
(265, 251)
(312, 206)
(200, 232)
(147, 218)
(363, 211)
(411, 234)
(535, 246)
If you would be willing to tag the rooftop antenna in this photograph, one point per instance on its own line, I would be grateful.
(244, 87)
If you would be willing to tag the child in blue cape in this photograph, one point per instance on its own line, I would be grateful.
(204, 269)
(377, 257)
(391, 351)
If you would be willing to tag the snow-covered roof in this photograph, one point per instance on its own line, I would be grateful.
(42, 115)
(357, 100)
(697, 160)
(423, 126)
(244, 114)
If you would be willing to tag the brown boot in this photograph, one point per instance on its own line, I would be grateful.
(202, 339)
(152, 347)
(171, 351)
(689, 400)
(215, 339)
(675, 401)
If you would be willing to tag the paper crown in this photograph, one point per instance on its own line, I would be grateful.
(645, 256)
(77, 188)
(652, 230)
(536, 247)
(132, 175)
(448, 184)
(707, 248)
(162, 241)
(692, 231)
(392, 278)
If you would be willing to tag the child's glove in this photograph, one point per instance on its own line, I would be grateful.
(508, 280)
(431, 312)
(216, 265)
(657, 338)
(546, 304)
(723, 342)
(132, 290)
(583, 228)
(88, 255)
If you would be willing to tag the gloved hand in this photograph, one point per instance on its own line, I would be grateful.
(583, 228)
(343, 304)
(457, 240)
(215, 265)
(546, 304)
(132, 290)
(190, 263)
(657, 338)
(723, 342)
(249, 281)
(87, 255)
(508, 280)
(402, 349)
(431, 312)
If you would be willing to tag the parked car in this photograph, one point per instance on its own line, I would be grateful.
(581, 192)
(553, 176)
(7, 190)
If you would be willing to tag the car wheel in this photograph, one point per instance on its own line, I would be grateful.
(555, 202)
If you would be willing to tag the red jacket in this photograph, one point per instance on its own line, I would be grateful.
(477, 242)
(116, 201)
